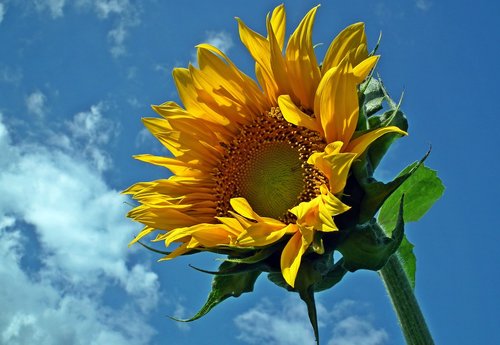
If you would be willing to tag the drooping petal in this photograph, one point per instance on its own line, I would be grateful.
(291, 256)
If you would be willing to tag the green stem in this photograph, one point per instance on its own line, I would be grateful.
(410, 316)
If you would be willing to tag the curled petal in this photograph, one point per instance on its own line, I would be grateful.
(294, 115)
(334, 165)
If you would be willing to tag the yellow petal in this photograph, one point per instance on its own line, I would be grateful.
(233, 223)
(294, 115)
(144, 232)
(350, 38)
(176, 166)
(278, 23)
(318, 213)
(183, 248)
(301, 61)
(262, 234)
(337, 103)
(227, 84)
(360, 144)
(364, 67)
(278, 65)
(242, 206)
(190, 98)
(334, 165)
(291, 256)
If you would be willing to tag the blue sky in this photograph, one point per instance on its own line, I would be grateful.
(77, 76)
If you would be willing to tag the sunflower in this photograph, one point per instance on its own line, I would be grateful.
(256, 164)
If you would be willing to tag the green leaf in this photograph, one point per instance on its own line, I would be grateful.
(422, 189)
(367, 247)
(376, 192)
(225, 286)
(307, 277)
(373, 96)
(307, 295)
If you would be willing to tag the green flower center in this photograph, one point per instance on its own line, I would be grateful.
(266, 163)
(273, 179)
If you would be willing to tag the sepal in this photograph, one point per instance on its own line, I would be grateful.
(366, 246)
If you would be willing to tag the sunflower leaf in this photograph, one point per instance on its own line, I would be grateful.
(307, 277)
(307, 295)
(225, 286)
(367, 247)
(422, 189)
(373, 96)
(376, 192)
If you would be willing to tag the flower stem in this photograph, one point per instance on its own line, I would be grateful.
(405, 304)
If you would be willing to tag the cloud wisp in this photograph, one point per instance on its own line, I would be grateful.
(288, 324)
(36, 103)
(63, 248)
(124, 13)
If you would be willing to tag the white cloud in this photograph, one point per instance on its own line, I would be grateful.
(106, 7)
(355, 330)
(90, 129)
(423, 5)
(127, 15)
(221, 40)
(55, 7)
(2, 12)
(35, 103)
(10, 75)
(285, 326)
(288, 324)
(124, 14)
(142, 137)
(57, 199)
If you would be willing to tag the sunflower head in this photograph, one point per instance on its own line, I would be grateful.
(276, 173)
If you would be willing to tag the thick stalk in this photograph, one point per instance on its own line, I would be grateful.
(405, 304)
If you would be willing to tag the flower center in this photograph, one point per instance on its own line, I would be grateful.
(266, 163)
(272, 179)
